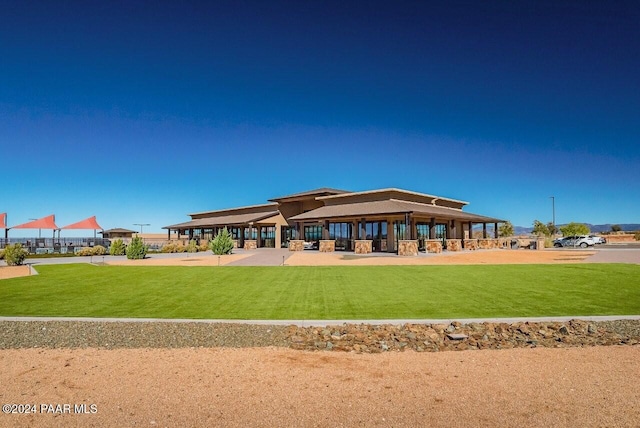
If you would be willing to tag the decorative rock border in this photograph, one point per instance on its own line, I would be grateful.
(296, 245)
(327, 246)
(363, 246)
(455, 336)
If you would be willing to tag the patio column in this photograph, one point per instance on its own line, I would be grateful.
(407, 226)
(484, 230)
(299, 231)
(470, 230)
(363, 228)
(325, 229)
(432, 228)
(495, 230)
(391, 239)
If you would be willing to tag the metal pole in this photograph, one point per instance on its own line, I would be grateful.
(553, 207)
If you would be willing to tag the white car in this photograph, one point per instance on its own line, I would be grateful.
(598, 239)
(582, 241)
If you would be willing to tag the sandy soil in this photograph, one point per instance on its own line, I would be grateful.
(13, 271)
(305, 258)
(198, 259)
(269, 387)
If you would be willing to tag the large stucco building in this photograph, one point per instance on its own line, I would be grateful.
(383, 220)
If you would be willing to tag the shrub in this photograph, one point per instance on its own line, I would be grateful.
(14, 255)
(136, 249)
(637, 236)
(222, 243)
(192, 247)
(117, 248)
(1, 254)
(99, 250)
(203, 247)
(173, 248)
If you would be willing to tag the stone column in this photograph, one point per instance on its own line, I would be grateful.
(484, 230)
(432, 228)
(495, 230)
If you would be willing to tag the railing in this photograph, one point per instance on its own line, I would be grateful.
(54, 245)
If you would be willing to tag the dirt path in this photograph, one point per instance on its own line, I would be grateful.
(268, 387)
(13, 271)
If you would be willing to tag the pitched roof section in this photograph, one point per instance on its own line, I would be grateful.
(388, 207)
(310, 194)
(392, 193)
(119, 230)
(235, 219)
(270, 207)
(48, 222)
(87, 224)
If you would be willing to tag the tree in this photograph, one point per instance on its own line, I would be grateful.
(552, 228)
(14, 255)
(117, 248)
(540, 229)
(136, 249)
(505, 229)
(573, 228)
(222, 243)
(616, 228)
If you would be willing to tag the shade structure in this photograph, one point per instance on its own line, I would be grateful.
(87, 224)
(3, 221)
(48, 222)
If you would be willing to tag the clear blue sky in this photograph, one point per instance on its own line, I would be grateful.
(143, 112)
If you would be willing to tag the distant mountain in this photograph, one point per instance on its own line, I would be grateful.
(595, 228)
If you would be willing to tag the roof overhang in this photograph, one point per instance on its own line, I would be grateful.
(228, 220)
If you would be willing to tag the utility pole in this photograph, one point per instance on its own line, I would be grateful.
(553, 208)
(141, 224)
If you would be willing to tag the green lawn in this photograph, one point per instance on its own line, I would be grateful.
(358, 292)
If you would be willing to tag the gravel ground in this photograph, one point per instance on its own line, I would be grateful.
(115, 335)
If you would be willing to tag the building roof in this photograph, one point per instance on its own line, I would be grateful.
(323, 191)
(250, 208)
(390, 206)
(119, 230)
(392, 193)
(234, 219)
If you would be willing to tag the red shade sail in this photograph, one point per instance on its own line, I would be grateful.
(48, 222)
(3, 221)
(88, 223)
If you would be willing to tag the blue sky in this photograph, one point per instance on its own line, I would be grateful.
(143, 112)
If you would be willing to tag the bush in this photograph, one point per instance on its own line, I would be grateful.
(173, 248)
(637, 236)
(136, 249)
(203, 247)
(99, 250)
(192, 247)
(14, 255)
(117, 248)
(222, 243)
(1, 254)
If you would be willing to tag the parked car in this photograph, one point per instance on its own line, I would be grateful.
(582, 241)
(598, 239)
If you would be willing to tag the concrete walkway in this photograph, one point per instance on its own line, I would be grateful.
(321, 323)
(264, 257)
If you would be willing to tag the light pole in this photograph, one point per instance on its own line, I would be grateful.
(553, 208)
(141, 224)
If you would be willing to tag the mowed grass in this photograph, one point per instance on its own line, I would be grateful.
(353, 292)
